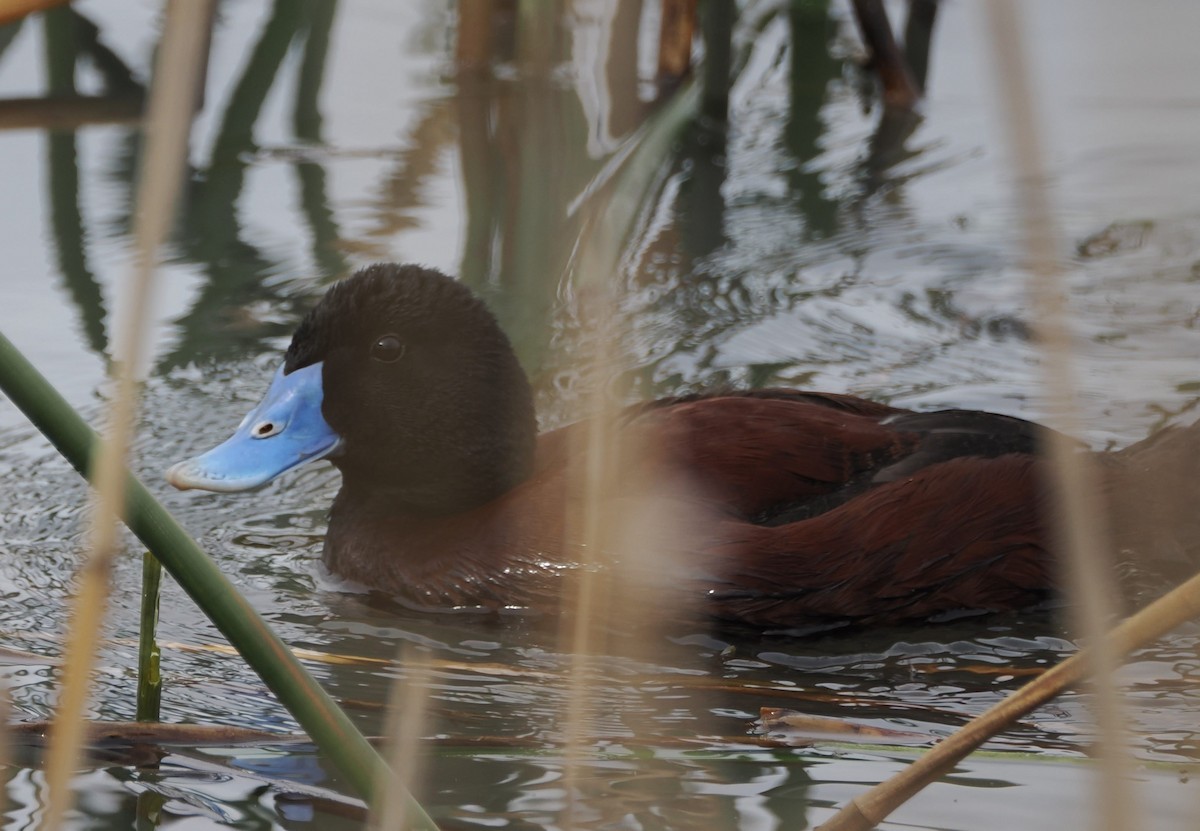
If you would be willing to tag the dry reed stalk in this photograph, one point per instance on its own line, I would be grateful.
(585, 602)
(172, 100)
(1089, 582)
(1082, 532)
(408, 709)
(68, 112)
(13, 10)
(585, 597)
(1161, 616)
(631, 535)
(676, 30)
(899, 89)
(473, 36)
(627, 526)
(6, 743)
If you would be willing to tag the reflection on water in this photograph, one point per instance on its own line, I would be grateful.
(812, 243)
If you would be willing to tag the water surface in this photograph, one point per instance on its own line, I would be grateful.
(801, 247)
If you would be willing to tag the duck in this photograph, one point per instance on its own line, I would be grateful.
(818, 508)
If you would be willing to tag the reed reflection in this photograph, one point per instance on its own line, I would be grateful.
(60, 32)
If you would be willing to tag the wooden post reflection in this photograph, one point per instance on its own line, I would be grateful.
(66, 218)
(676, 31)
(899, 88)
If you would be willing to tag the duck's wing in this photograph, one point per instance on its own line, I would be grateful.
(965, 534)
(934, 439)
(776, 457)
(830, 400)
(954, 434)
(897, 517)
(754, 456)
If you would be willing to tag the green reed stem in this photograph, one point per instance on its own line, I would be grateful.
(149, 691)
(316, 712)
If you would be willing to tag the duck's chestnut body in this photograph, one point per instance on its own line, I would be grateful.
(813, 507)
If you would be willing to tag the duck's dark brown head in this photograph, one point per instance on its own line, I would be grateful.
(419, 387)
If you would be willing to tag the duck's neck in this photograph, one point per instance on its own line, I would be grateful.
(441, 561)
(462, 446)
(372, 532)
(437, 480)
(407, 491)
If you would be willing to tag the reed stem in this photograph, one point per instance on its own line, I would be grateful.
(149, 691)
(167, 128)
(316, 712)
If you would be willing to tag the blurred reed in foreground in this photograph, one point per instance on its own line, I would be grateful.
(169, 117)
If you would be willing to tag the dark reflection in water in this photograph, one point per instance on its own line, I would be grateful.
(62, 35)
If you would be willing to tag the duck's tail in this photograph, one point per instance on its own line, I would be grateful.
(1151, 495)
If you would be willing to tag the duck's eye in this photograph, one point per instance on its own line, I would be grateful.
(387, 349)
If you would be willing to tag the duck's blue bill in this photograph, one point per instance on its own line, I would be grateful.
(284, 431)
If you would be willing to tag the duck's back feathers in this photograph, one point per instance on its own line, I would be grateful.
(967, 534)
(835, 508)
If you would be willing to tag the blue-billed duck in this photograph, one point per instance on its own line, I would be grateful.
(818, 507)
